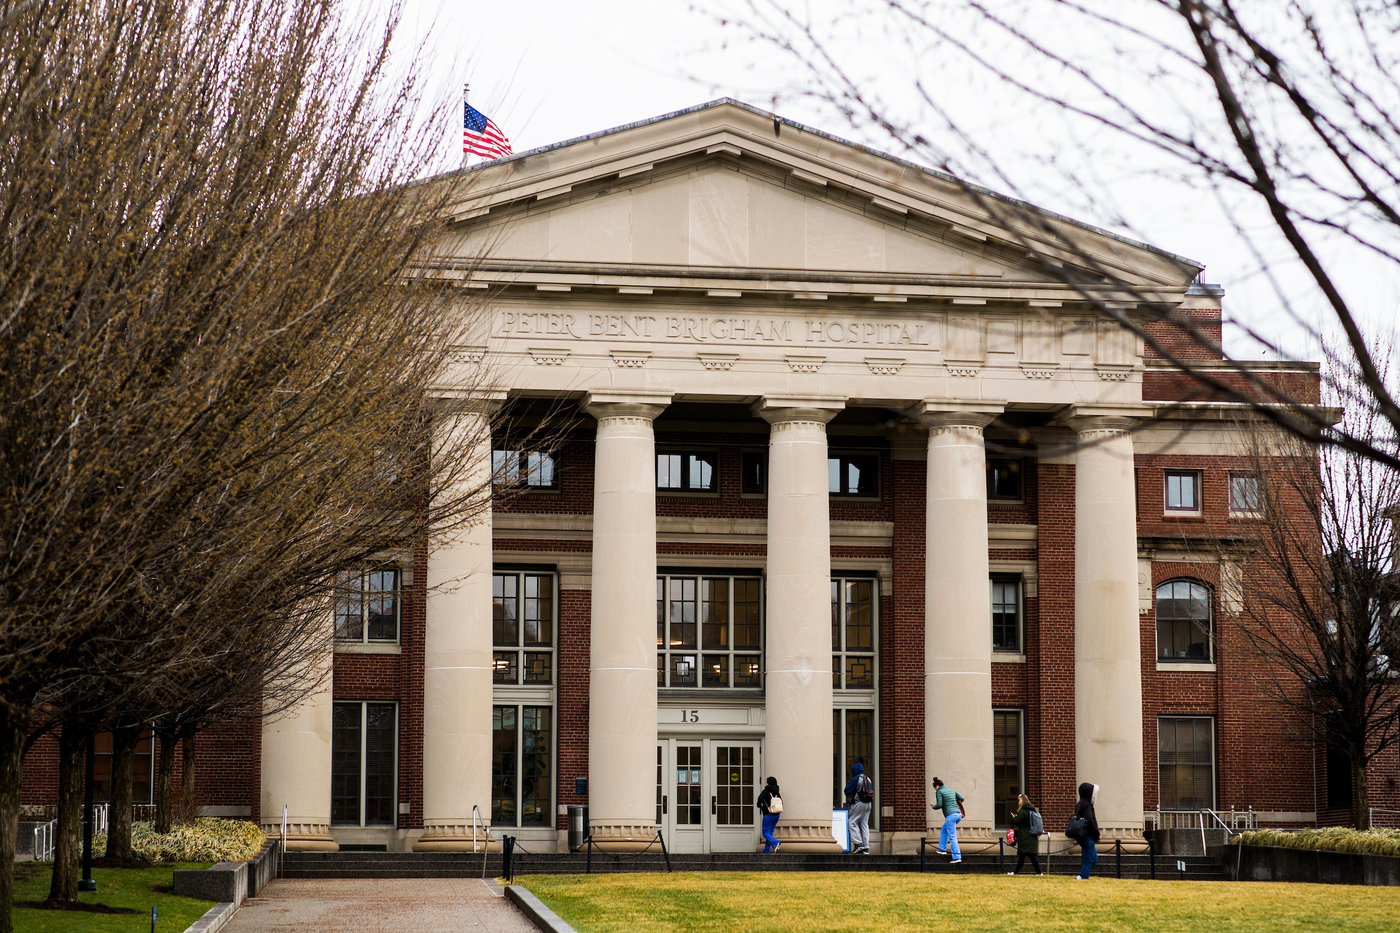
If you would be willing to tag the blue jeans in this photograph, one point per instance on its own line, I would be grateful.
(1091, 856)
(770, 822)
(948, 836)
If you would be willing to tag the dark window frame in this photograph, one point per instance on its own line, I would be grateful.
(710, 657)
(527, 473)
(1002, 805)
(1258, 492)
(1017, 469)
(356, 599)
(1166, 648)
(1197, 489)
(688, 455)
(844, 460)
(388, 816)
(516, 658)
(757, 458)
(1017, 583)
(846, 660)
(516, 774)
(1194, 765)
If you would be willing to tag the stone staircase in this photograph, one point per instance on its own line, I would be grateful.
(466, 865)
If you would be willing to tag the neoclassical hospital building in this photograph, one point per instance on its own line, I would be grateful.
(808, 464)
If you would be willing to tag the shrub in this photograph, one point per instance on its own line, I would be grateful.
(1333, 839)
(208, 839)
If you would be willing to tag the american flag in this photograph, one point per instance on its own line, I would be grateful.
(481, 136)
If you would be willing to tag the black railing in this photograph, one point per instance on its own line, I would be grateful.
(588, 849)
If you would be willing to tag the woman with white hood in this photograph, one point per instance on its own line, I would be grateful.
(1084, 810)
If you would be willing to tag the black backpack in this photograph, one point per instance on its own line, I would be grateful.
(865, 790)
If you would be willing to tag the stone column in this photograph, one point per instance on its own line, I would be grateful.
(1107, 639)
(457, 644)
(797, 745)
(296, 764)
(958, 745)
(622, 642)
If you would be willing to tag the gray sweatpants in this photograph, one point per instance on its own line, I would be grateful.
(859, 820)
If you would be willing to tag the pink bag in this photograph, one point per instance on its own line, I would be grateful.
(1011, 837)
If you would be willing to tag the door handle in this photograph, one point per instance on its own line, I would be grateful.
(714, 807)
(664, 800)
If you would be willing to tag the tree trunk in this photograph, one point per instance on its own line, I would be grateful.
(1360, 794)
(124, 741)
(165, 781)
(14, 727)
(187, 804)
(68, 850)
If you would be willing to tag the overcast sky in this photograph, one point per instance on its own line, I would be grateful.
(549, 70)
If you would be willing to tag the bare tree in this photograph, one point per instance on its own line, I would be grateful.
(1321, 607)
(212, 363)
(1280, 110)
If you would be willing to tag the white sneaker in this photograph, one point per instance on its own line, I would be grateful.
(1011, 873)
(956, 861)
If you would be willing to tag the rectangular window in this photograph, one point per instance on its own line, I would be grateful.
(1244, 493)
(364, 763)
(1008, 776)
(141, 765)
(522, 619)
(708, 631)
(853, 475)
(687, 471)
(1006, 614)
(1185, 763)
(367, 605)
(1183, 491)
(1340, 791)
(525, 469)
(853, 734)
(522, 742)
(753, 472)
(1183, 622)
(1004, 481)
(853, 625)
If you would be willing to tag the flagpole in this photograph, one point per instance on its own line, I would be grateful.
(466, 93)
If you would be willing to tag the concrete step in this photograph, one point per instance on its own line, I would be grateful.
(467, 865)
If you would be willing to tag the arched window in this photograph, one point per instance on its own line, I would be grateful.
(1183, 621)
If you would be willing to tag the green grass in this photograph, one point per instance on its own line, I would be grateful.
(116, 887)
(904, 903)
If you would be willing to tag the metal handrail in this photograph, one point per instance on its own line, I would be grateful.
(1371, 815)
(486, 847)
(44, 841)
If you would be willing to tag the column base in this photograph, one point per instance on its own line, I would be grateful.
(304, 837)
(447, 842)
(972, 840)
(798, 837)
(623, 837)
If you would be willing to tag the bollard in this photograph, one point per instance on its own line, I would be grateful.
(664, 854)
(1118, 855)
(508, 857)
(153, 918)
(588, 862)
(923, 842)
(1001, 855)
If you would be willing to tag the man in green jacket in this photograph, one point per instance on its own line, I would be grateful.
(951, 803)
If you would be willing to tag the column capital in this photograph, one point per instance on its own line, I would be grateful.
(626, 403)
(936, 413)
(1102, 420)
(785, 409)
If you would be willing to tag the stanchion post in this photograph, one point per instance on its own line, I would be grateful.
(588, 859)
(664, 854)
(1001, 855)
(923, 842)
(1152, 857)
(1118, 855)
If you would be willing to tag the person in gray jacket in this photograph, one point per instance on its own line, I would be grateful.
(860, 796)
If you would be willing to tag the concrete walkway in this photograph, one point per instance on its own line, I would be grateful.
(379, 905)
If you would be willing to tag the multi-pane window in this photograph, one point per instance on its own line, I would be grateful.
(1004, 480)
(753, 472)
(522, 620)
(1183, 621)
(1244, 492)
(854, 475)
(521, 765)
(527, 469)
(687, 471)
(853, 742)
(141, 765)
(367, 605)
(1008, 770)
(1183, 491)
(1185, 763)
(364, 756)
(853, 615)
(708, 631)
(1006, 613)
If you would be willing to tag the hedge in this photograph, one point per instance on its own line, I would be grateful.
(1333, 839)
(207, 839)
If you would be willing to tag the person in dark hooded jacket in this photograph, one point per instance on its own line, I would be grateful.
(860, 794)
(1084, 809)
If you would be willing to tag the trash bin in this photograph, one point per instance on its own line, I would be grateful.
(578, 826)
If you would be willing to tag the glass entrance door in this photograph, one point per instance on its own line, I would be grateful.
(705, 793)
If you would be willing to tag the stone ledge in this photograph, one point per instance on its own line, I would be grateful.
(214, 918)
(540, 915)
(225, 881)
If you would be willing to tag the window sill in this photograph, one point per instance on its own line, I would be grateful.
(669, 493)
(366, 648)
(1255, 515)
(1187, 667)
(1007, 657)
(1181, 513)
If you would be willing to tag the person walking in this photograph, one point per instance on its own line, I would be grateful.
(1027, 843)
(951, 803)
(1088, 840)
(860, 795)
(770, 804)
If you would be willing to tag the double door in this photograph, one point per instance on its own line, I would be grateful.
(705, 794)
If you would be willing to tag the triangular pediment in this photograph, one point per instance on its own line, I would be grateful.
(725, 187)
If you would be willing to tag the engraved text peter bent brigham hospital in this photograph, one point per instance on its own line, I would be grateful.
(725, 329)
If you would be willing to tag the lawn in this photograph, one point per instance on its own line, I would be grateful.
(135, 888)
(903, 903)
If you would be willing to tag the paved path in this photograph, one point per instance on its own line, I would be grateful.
(379, 905)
